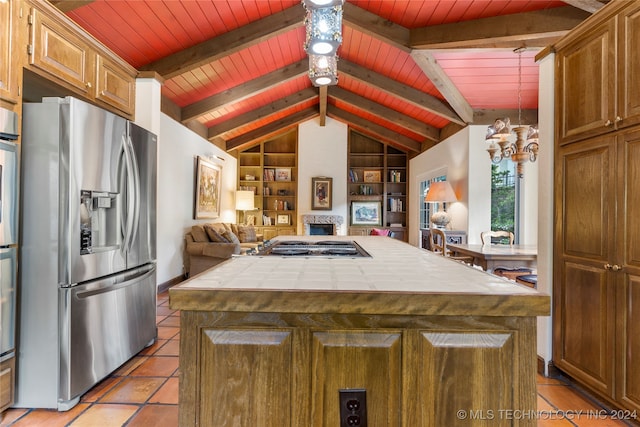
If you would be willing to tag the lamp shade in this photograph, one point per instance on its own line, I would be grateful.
(244, 200)
(440, 191)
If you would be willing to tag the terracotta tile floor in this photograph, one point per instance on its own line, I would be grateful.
(144, 392)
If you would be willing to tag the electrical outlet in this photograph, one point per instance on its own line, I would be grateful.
(353, 407)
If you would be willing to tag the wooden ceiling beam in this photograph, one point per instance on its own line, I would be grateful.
(535, 29)
(489, 116)
(244, 91)
(228, 43)
(259, 113)
(443, 83)
(271, 129)
(364, 104)
(323, 105)
(382, 132)
(69, 5)
(397, 89)
(590, 6)
(376, 26)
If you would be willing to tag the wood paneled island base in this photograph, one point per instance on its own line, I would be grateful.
(270, 341)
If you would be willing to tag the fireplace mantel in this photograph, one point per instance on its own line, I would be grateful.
(322, 219)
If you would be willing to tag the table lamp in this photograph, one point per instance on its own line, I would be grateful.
(244, 202)
(440, 192)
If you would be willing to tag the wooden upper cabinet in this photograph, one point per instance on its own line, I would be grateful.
(64, 53)
(60, 53)
(586, 77)
(629, 65)
(113, 85)
(598, 91)
(8, 70)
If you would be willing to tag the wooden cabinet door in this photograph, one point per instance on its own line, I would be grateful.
(114, 86)
(60, 53)
(628, 278)
(6, 50)
(584, 289)
(585, 99)
(245, 378)
(629, 66)
(360, 360)
(7, 383)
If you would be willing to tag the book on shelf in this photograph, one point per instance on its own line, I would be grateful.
(269, 175)
(396, 205)
(266, 220)
(353, 175)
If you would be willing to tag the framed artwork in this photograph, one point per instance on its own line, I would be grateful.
(207, 192)
(283, 174)
(366, 213)
(372, 176)
(321, 193)
(283, 219)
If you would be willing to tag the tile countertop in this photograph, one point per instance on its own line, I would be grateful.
(397, 279)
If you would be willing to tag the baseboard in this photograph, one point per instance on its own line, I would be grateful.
(163, 287)
(541, 366)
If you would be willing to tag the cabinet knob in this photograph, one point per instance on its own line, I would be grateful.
(614, 267)
(618, 119)
(608, 123)
(88, 85)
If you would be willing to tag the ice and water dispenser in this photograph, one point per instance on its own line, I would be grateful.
(99, 222)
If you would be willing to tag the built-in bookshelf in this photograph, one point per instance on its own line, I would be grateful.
(270, 170)
(377, 185)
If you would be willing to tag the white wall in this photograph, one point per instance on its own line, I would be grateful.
(545, 162)
(178, 149)
(469, 174)
(322, 151)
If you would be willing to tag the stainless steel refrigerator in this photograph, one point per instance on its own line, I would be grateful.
(87, 249)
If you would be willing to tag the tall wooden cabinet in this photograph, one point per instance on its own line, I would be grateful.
(270, 171)
(377, 179)
(596, 332)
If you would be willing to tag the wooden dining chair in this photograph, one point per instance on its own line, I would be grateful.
(487, 237)
(439, 246)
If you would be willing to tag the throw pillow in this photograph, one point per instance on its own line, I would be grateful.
(198, 234)
(232, 238)
(247, 234)
(214, 235)
(378, 232)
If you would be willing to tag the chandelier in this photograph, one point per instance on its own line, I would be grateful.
(323, 23)
(525, 147)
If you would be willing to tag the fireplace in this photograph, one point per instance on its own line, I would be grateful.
(321, 225)
(322, 229)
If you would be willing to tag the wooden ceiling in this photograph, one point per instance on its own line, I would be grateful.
(410, 72)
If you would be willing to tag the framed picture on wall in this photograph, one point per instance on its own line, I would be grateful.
(207, 189)
(366, 213)
(321, 193)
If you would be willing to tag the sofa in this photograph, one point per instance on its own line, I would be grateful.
(207, 245)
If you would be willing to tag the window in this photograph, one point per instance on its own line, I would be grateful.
(505, 196)
(426, 209)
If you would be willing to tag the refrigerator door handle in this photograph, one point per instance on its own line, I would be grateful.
(135, 172)
(127, 187)
(109, 285)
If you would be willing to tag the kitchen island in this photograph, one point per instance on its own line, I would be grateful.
(271, 340)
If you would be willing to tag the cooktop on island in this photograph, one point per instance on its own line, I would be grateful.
(323, 248)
